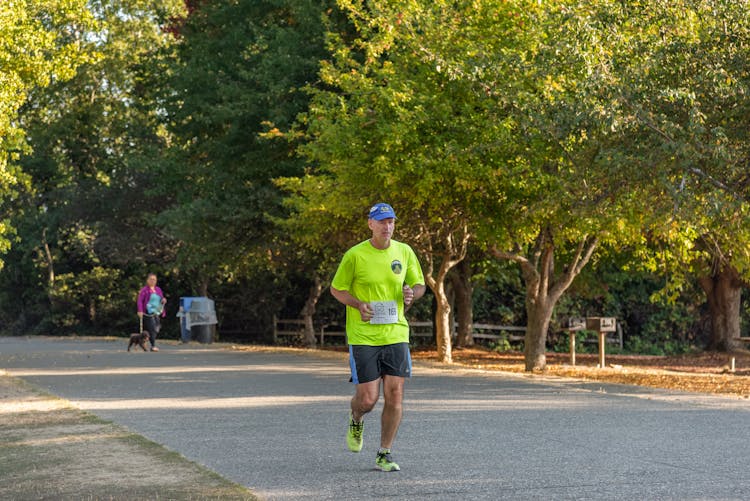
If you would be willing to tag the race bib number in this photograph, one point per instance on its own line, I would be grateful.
(384, 312)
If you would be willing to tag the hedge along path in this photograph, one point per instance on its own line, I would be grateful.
(51, 450)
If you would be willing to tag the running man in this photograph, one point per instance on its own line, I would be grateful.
(377, 280)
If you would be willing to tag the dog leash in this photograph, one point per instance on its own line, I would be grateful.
(140, 317)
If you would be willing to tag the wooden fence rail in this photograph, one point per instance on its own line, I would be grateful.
(295, 328)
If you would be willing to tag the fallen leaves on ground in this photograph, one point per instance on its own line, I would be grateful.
(707, 372)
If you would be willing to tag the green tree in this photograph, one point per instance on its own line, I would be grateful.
(313, 242)
(573, 188)
(238, 79)
(40, 43)
(484, 119)
(84, 213)
(688, 92)
(392, 126)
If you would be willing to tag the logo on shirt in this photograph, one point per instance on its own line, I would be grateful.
(396, 266)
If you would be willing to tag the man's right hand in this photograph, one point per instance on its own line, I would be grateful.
(365, 311)
(140, 314)
(345, 297)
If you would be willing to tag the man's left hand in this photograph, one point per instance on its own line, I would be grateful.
(408, 295)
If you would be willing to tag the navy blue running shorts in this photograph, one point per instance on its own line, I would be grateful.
(369, 363)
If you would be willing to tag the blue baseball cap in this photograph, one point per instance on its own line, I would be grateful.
(381, 211)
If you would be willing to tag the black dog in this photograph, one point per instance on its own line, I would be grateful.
(138, 339)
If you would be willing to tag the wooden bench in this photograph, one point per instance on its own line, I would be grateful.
(295, 329)
(495, 332)
(338, 331)
(420, 329)
(423, 329)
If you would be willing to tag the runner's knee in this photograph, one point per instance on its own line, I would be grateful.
(367, 401)
(393, 395)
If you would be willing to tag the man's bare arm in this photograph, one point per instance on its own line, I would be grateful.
(412, 294)
(345, 297)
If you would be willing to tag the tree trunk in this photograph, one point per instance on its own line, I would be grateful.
(452, 304)
(454, 251)
(461, 281)
(308, 311)
(49, 260)
(442, 323)
(47, 256)
(442, 311)
(539, 313)
(203, 288)
(723, 293)
(544, 288)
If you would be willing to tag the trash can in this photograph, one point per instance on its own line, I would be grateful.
(197, 319)
(203, 333)
(182, 315)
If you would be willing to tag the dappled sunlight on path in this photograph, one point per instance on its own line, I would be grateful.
(186, 403)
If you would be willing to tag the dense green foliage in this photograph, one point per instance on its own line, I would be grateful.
(240, 70)
(82, 216)
(590, 156)
(40, 43)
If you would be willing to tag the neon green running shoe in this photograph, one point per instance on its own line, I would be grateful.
(354, 435)
(385, 462)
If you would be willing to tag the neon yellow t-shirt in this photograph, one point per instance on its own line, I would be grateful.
(371, 274)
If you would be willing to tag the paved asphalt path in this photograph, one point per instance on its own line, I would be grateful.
(275, 422)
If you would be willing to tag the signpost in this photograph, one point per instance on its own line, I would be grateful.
(602, 325)
(574, 325)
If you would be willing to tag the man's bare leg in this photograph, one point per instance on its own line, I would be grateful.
(393, 393)
(365, 397)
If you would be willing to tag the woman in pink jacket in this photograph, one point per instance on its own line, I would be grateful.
(151, 303)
